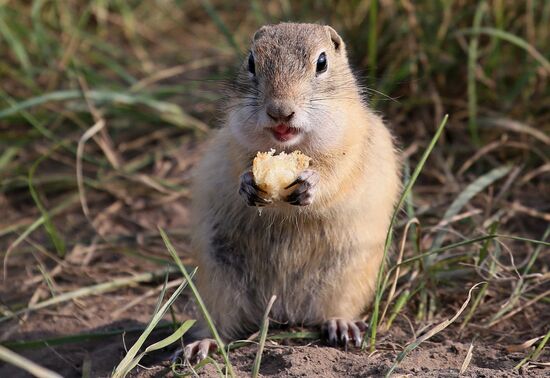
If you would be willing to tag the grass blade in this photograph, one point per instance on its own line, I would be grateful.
(7, 156)
(70, 339)
(16, 45)
(399, 304)
(393, 287)
(542, 296)
(125, 365)
(216, 19)
(200, 303)
(537, 251)
(172, 338)
(483, 253)
(379, 282)
(169, 112)
(472, 66)
(156, 346)
(438, 328)
(79, 175)
(519, 287)
(525, 345)
(29, 366)
(263, 336)
(30, 229)
(467, 359)
(90, 290)
(467, 194)
(513, 39)
(373, 36)
(57, 241)
(536, 353)
(468, 242)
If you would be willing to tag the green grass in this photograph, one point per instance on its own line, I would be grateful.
(133, 357)
(263, 337)
(430, 333)
(380, 281)
(200, 303)
(81, 204)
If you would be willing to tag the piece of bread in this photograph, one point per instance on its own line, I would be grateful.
(273, 173)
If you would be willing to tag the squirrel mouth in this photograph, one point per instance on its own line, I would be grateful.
(284, 133)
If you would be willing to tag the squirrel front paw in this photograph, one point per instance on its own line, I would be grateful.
(251, 193)
(305, 187)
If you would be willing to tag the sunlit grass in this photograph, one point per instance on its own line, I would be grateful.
(151, 72)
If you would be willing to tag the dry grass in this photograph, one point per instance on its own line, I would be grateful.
(104, 104)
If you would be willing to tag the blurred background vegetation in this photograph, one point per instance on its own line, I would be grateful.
(104, 105)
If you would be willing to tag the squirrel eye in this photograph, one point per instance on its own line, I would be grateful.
(251, 65)
(321, 63)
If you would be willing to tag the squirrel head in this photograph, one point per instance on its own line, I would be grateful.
(292, 90)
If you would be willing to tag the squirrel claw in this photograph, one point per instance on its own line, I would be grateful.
(340, 331)
(251, 192)
(198, 350)
(306, 184)
(329, 330)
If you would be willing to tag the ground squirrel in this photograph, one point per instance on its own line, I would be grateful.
(319, 251)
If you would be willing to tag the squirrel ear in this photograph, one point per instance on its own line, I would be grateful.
(261, 31)
(335, 38)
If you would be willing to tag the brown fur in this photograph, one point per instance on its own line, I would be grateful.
(321, 260)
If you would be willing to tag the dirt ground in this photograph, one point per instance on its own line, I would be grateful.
(441, 357)
(137, 173)
(94, 260)
(432, 360)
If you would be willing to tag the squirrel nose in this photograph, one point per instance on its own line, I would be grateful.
(279, 111)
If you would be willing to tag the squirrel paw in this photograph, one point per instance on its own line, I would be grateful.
(250, 192)
(305, 184)
(341, 331)
(198, 350)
